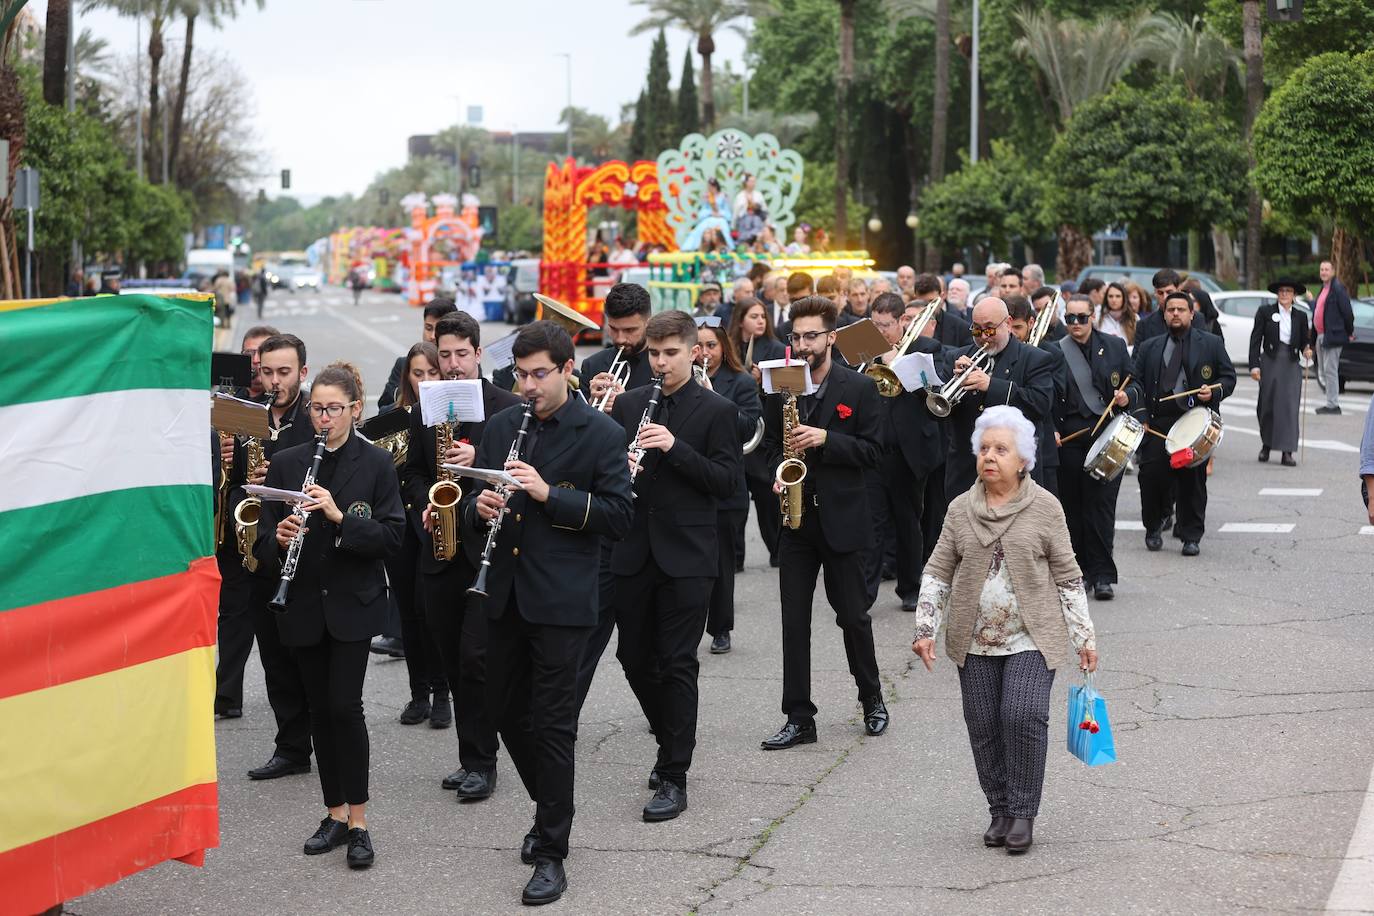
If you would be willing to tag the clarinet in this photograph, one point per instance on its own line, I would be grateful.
(636, 450)
(293, 552)
(479, 585)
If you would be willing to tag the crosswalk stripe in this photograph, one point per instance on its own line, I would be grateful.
(1367, 529)
(1289, 491)
(1127, 525)
(1256, 528)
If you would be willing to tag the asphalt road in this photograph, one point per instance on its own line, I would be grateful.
(1239, 685)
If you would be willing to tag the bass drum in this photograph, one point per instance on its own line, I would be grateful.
(1200, 430)
(1114, 447)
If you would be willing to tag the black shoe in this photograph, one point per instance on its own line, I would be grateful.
(278, 767)
(739, 567)
(720, 644)
(1168, 521)
(441, 711)
(416, 711)
(655, 780)
(1288, 461)
(997, 831)
(888, 573)
(360, 854)
(668, 802)
(454, 780)
(773, 562)
(909, 606)
(1190, 549)
(1174, 532)
(233, 712)
(1328, 411)
(1153, 541)
(1103, 591)
(790, 735)
(478, 785)
(331, 835)
(875, 716)
(389, 645)
(1264, 453)
(527, 846)
(547, 883)
(1019, 836)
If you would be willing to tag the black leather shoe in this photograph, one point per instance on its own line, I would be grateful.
(654, 779)
(233, 712)
(1264, 453)
(875, 716)
(441, 711)
(909, 606)
(1190, 549)
(720, 644)
(389, 645)
(1328, 411)
(1153, 541)
(1288, 461)
(790, 735)
(360, 854)
(454, 780)
(668, 802)
(1103, 591)
(1168, 521)
(278, 767)
(416, 711)
(1019, 836)
(331, 835)
(527, 846)
(547, 883)
(997, 831)
(478, 785)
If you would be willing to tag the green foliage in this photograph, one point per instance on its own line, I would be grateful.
(1153, 160)
(688, 107)
(985, 204)
(519, 228)
(639, 142)
(1314, 148)
(660, 121)
(816, 203)
(158, 220)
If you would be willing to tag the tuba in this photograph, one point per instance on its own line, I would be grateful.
(889, 386)
(791, 470)
(444, 495)
(247, 513)
(941, 403)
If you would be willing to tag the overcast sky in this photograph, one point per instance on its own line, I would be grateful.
(338, 85)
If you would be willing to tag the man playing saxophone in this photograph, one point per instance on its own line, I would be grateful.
(839, 435)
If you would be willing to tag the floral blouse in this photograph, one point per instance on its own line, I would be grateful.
(999, 629)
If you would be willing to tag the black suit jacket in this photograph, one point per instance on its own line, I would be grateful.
(1207, 364)
(1110, 365)
(679, 493)
(1264, 336)
(548, 553)
(294, 429)
(852, 416)
(393, 384)
(911, 427)
(765, 348)
(641, 373)
(739, 389)
(420, 470)
(1151, 325)
(340, 582)
(1337, 316)
(952, 330)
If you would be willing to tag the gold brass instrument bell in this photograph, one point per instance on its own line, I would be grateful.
(889, 386)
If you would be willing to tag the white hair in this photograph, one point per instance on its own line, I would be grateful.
(959, 281)
(1004, 416)
(1036, 271)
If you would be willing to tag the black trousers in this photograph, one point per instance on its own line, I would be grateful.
(720, 616)
(532, 692)
(1164, 490)
(904, 494)
(933, 506)
(281, 670)
(458, 626)
(333, 672)
(1090, 509)
(881, 518)
(600, 636)
(424, 667)
(661, 620)
(759, 479)
(235, 627)
(802, 554)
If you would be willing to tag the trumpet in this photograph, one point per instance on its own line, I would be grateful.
(620, 376)
(444, 495)
(702, 371)
(889, 386)
(942, 402)
(479, 585)
(293, 552)
(1044, 320)
(650, 411)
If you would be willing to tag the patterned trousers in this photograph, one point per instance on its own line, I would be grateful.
(1007, 711)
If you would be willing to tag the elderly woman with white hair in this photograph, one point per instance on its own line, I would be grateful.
(1003, 581)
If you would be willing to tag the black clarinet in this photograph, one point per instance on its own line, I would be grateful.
(293, 552)
(650, 415)
(479, 585)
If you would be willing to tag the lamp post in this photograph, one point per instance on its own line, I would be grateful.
(973, 91)
(567, 57)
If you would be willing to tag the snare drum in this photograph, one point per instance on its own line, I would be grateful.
(1200, 430)
(1110, 451)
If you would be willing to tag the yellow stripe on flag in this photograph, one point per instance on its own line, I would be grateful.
(87, 749)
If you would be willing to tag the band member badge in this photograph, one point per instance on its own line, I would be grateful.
(1206, 373)
(1116, 379)
(566, 485)
(360, 509)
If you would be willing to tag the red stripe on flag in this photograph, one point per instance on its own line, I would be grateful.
(57, 642)
(66, 866)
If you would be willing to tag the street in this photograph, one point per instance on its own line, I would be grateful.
(1239, 686)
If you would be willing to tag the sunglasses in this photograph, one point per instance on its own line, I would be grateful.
(707, 321)
(986, 330)
(1078, 318)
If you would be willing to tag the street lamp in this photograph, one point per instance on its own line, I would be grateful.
(973, 91)
(568, 59)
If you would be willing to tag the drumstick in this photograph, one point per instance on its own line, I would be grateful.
(1073, 436)
(1155, 432)
(1184, 394)
(1111, 404)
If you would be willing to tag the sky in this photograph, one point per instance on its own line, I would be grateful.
(338, 85)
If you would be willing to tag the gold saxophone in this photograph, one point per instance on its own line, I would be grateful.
(444, 496)
(247, 513)
(792, 469)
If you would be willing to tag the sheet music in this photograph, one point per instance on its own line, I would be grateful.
(491, 475)
(796, 362)
(499, 351)
(464, 394)
(236, 416)
(272, 494)
(916, 371)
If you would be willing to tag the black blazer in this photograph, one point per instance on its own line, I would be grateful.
(641, 373)
(1151, 325)
(1110, 365)
(678, 494)
(952, 330)
(294, 429)
(765, 347)
(912, 429)
(340, 582)
(1264, 336)
(1337, 316)
(836, 471)
(548, 553)
(739, 389)
(393, 384)
(420, 470)
(1207, 364)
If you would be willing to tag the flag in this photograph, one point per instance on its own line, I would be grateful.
(108, 593)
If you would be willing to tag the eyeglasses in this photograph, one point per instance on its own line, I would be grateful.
(1077, 318)
(707, 321)
(538, 374)
(986, 330)
(808, 337)
(334, 410)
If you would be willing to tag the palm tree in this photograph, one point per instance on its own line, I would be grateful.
(13, 129)
(55, 33)
(701, 18)
(159, 14)
(216, 11)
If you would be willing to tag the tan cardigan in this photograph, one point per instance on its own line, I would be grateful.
(1039, 557)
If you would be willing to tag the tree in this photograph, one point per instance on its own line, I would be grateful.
(56, 31)
(1314, 153)
(843, 81)
(658, 102)
(159, 13)
(1254, 97)
(986, 204)
(594, 140)
(1195, 52)
(688, 116)
(639, 143)
(12, 129)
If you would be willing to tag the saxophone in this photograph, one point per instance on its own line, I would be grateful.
(444, 496)
(247, 513)
(792, 469)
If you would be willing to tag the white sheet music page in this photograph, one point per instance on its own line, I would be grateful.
(463, 395)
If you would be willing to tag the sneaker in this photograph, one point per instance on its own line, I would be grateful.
(360, 852)
(416, 711)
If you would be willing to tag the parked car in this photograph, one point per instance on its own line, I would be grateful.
(1143, 276)
(523, 283)
(1357, 357)
(1236, 310)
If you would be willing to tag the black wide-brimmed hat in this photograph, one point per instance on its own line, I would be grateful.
(1298, 288)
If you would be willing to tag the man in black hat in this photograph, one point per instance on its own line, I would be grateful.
(1280, 338)
(708, 300)
(110, 280)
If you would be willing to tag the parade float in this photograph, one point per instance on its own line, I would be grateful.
(448, 237)
(377, 249)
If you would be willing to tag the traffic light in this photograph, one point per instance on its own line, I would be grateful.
(383, 196)
(474, 176)
(286, 179)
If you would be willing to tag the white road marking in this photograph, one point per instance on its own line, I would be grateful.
(1127, 525)
(1353, 891)
(1367, 529)
(390, 345)
(385, 319)
(1289, 491)
(1256, 528)
(1330, 445)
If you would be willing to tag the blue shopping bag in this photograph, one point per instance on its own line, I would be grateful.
(1090, 732)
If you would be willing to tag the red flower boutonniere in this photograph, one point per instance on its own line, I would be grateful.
(844, 410)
